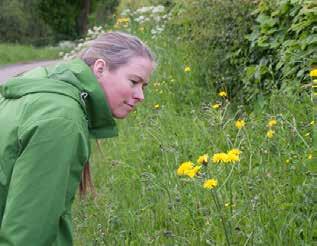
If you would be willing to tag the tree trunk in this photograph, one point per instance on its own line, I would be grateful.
(83, 17)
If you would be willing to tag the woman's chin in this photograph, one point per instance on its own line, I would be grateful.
(120, 115)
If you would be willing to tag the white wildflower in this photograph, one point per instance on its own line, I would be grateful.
(157, 18)
(144, 9)
(140, 19)
(158, 9)
(125, 12)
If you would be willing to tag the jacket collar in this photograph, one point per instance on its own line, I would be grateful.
(57, 79)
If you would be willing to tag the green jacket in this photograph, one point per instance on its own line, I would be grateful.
(46, 117)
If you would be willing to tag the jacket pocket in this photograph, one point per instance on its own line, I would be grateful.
(3, 176)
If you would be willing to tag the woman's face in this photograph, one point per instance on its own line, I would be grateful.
(123, 87)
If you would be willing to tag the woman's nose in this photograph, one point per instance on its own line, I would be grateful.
(139, 94)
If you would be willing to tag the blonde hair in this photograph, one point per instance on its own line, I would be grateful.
(116, 49)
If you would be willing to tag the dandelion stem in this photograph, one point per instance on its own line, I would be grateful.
(227, 178)
(223, 221)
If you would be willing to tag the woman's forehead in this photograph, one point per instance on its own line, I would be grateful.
(140, 67)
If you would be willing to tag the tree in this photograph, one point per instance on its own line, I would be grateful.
(62, 17)
(69, 18)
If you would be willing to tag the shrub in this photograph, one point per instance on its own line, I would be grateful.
(214, 32)
(21, 26)
(282, 47)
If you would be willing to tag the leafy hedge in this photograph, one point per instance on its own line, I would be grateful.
(282, 47)
(248, 48)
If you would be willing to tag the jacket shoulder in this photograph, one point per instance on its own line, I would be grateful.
(41, 106)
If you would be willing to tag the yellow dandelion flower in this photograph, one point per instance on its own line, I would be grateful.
(310, 156)
(210, 184)
(227, 204)
(272, 123)
(203, 159)
(312, 122)
(232, 158)
(184, 167)
(222, 94)
(187, 69)
(215, 105)
(313, 73)
(287, 161)
(234, 152)
(157, 106)
(270, 133)
(240, 124)
(218, 157)
(192, 172)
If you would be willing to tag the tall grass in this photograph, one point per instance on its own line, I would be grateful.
(14, 53)
(265, 199)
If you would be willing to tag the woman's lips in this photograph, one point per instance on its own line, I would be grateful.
(130, 105)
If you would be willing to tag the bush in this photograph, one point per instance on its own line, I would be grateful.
(214, 32)
(282, 47)
(21, 26)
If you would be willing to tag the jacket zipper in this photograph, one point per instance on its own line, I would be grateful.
(83, 96)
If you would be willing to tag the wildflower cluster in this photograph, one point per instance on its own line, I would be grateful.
(153, 16)
(191, 170)
(82, 43)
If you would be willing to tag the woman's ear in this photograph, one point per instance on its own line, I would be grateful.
(99, 67)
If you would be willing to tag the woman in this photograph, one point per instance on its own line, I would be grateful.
(46, 117)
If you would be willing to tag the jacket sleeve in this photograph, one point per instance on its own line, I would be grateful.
(39, 181)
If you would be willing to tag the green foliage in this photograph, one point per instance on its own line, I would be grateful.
(135, 4)
(47, 22)
(102, 12)
(215, 34)
(20, 26)
(282, 47)
(62, 17)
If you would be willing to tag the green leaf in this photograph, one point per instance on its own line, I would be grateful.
(266, 20)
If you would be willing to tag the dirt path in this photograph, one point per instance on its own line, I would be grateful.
(8, 71)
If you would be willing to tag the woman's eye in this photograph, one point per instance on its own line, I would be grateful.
(134, 82)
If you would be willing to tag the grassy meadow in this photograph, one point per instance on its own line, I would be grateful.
(16, 53)
(263, 196)
(266, 198)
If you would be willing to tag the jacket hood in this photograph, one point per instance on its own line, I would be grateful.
(73, 79)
